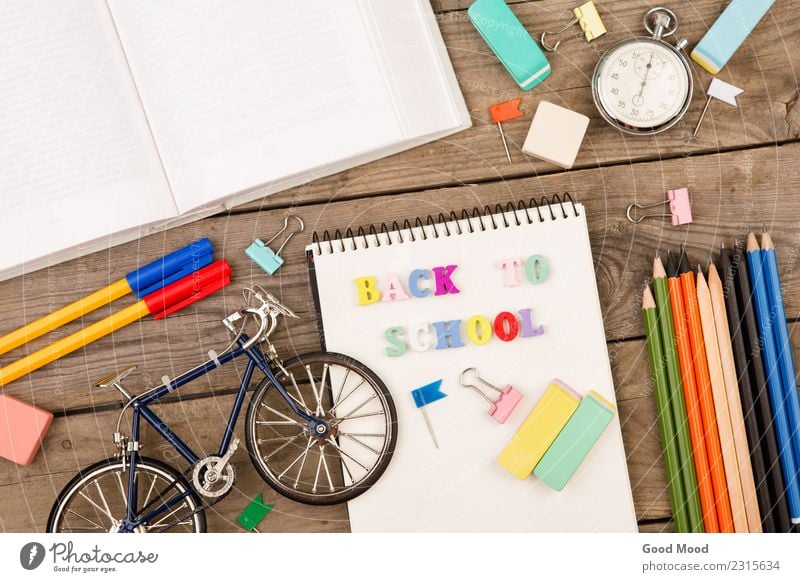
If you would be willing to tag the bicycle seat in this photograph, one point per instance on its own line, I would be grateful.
(115, 378)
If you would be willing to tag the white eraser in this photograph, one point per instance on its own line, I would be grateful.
(555, 135)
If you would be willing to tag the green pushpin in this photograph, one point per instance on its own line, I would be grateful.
(253, 514)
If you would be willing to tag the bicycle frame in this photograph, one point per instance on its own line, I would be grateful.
(141, 410)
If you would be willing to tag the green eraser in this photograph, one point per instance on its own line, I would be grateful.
(574, 442)
(254, 513)
(510, 42)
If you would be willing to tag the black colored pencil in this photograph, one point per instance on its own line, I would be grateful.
(762, 407)
(765, 501)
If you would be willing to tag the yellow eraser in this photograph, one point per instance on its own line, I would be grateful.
(539, 430)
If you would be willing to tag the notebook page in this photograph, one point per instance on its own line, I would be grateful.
(461, 486)
(242, 93)
(78, 160)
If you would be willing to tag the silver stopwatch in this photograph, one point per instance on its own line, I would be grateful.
(643, 85)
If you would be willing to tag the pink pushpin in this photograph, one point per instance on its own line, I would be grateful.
(679, 206)
(504, 405)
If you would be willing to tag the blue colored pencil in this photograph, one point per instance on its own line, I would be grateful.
(772, 370)
(783, 346)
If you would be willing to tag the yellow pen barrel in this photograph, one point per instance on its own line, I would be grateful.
(64, 315)
(73, 342)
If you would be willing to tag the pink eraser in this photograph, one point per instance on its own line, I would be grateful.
(505, 404)
(22, 429)
(679, 206)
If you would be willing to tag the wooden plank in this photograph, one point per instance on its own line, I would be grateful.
(730, 192)
(767, 110)
(74, 442)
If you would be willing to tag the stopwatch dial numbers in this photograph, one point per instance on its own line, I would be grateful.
(642, 84)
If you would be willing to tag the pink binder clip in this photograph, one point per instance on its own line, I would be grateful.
(680, 209)
(502, 407)
(679, 206)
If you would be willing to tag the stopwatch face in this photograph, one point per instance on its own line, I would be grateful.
(642, 85)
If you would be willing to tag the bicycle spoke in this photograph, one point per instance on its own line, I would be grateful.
(341, 388)
(284, 445)
(97, 507)
(367, 415)
(121, 488)
(319, 466)
(277, 439)
(362, 434)
(300, 404)
(103, 499)
(360, 406)
(302, 464)
(300, 456)
(314, 389)
(362, 443)
(338, 402)
(170, 514)
(83, 517)
(344, 463)
(268, 422)
(327, 471)
(150, 491)
(299, 393)
(321, 410)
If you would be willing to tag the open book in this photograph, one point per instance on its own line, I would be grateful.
(121, 117)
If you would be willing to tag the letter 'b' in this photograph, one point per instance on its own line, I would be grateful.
(367, 291)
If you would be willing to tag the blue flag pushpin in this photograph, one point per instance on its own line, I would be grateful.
(426, 395)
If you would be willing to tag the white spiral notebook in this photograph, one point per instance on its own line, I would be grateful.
(406, 331)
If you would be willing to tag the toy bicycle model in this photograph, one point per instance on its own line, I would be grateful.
(321, 429)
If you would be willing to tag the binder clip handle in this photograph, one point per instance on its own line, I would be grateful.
(589, 19)
(680, 208)
(466, 384)
(284, 229)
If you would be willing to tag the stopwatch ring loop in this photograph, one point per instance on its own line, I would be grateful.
(668, 12)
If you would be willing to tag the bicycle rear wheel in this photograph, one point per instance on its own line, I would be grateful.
(96, 499)
(346, 462)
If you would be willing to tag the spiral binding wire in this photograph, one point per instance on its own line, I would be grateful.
(488, 218)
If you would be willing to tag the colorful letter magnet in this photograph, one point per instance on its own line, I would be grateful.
(22, 429)
(730, 30)
(510, 42)
(264, 257)
(539, 430)
(505, 403)
(575, 441)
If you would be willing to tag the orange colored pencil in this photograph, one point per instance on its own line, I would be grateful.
(696, 429)
(706, 398)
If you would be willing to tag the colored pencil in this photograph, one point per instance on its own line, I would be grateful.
(763, 410)
(706, 398)
(736, 327)
(721, 405)
(772, 372)
(668, 441)
(783, 347)
(705, 487)
(679, 416)
(734, 401)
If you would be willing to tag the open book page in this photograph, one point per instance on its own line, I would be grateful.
(79, 163)
(241, 94)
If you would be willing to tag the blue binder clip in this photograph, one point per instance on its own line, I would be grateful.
(269, 260)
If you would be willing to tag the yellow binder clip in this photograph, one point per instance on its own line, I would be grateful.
(587, 17)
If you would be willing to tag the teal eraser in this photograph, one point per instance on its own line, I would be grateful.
(510, 42)
(575, 440)
(727, 34)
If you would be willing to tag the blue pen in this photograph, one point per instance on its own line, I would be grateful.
(143, 281)
(774, 386)
(784, 347)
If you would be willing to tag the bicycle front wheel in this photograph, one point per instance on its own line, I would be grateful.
(346, 462)
(96, 500)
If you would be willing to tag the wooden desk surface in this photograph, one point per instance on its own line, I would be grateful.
(740, 171)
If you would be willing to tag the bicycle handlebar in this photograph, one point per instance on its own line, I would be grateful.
(267, 313)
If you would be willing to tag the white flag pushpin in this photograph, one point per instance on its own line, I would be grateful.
(722, 91)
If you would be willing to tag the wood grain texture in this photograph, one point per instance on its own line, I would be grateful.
(767, 67)
(730, 193)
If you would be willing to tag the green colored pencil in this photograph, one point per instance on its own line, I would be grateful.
(677, 402)
(661, 391)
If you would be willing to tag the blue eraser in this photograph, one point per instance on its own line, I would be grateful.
(510, 42)
(727, 34)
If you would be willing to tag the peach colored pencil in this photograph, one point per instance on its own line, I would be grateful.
(734, 400)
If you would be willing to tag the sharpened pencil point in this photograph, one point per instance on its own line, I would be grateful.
(766, 241)
(658, 268)
(672, 266)
(752, 243)
(647, 298)
(683, 263)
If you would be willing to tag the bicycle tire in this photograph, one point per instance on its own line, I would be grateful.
(107, 465)
(378, 470)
